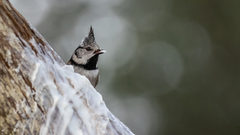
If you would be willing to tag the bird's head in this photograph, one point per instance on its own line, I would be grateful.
(87, 52)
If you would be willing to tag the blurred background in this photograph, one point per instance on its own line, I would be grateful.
(171, 68)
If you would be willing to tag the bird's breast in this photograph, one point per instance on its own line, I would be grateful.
(92, 75)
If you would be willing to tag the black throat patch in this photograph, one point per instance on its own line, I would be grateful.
(91, 63)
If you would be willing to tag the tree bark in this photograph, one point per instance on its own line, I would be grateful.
(39, 94)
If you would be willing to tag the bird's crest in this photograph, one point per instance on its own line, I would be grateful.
(90, 39)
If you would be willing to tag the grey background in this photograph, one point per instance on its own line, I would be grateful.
(171, 68)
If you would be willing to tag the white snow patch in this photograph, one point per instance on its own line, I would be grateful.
(74, 126)
(16, 126)
(12, 81)
(17, 69)
(8, 58)
(35, 71)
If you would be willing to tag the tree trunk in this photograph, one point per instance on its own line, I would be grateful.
(39, 94)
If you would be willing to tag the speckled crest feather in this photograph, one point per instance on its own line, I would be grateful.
(90, 39)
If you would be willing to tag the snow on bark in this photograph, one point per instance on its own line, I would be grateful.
(48, 97)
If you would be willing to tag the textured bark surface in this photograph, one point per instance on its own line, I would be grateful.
(20, 111)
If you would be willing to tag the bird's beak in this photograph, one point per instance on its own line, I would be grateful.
(99, 51)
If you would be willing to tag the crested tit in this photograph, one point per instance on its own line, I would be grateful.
(84, 59)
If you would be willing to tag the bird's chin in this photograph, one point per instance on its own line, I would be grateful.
(95, 55)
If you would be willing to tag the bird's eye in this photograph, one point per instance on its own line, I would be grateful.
(88, 49)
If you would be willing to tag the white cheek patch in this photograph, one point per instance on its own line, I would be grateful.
(78, 60)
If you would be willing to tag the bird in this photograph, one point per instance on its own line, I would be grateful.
(85, 58)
